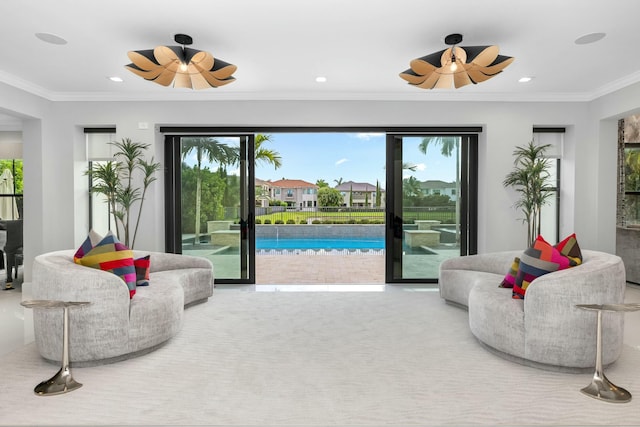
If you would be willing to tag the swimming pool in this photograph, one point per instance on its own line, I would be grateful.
(373, 243)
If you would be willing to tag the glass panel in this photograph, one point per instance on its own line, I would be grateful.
(632, 168)
(10, 189)
(99, 151)
(632, 184)
(214, 207)
(549, 211)
(430, 205)
(101, 221)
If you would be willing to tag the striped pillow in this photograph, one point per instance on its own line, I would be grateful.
(510, 278)
(92, 239)
(540, 259)
(112, 256)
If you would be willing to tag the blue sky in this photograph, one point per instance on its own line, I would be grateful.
(358, 157)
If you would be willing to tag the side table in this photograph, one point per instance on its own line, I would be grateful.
(61, 382)
(601, 388)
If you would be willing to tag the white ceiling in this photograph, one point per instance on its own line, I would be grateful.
(281, 46)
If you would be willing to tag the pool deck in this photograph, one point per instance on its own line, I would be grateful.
(304, 269)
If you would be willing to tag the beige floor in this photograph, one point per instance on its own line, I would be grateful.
(299, 269)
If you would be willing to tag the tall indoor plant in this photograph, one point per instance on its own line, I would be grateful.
(530, 177)
(124, 182)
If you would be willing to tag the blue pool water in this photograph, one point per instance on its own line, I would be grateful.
(317, 243)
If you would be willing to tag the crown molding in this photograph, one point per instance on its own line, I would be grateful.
(400, 96)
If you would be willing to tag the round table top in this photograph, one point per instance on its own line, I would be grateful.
(610, 307)
(43, 303)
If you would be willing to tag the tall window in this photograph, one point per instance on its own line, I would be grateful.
(550, 227)
(99, 150)
(11, 188)
(630, 173)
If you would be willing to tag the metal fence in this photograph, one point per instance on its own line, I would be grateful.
(346, 215)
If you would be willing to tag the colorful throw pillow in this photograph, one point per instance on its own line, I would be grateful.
(569, 247)
(92, 239)
(510, 279)
(142, 266)
(112, 256)
(540, 259)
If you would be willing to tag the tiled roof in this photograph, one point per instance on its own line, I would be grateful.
(292, 183)
(356, 186)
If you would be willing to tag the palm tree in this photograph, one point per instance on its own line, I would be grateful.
(338, 181)
(529, 178)
(411, 188)
(409, 166)
(322, 183)
(264, 155)
(448, 145)
(115, 180)
(213, 151)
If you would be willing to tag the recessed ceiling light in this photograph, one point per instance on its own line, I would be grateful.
(525, 79)
(590, 38)
(116, 79)
(321, 79)
(51, 38)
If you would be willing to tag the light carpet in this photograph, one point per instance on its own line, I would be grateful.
(326, 358)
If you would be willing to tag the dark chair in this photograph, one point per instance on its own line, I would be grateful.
(13, 247)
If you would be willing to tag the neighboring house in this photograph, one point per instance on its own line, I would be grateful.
(437, 187)
(295, 192)
(263, 193)
(360, 194)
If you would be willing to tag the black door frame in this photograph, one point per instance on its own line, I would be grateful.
(393, 222)
(173, 196)
(468, 198)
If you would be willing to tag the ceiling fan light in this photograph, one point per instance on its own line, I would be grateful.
(180, 66)
(472, 64)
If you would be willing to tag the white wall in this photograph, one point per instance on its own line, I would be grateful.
(55, 205)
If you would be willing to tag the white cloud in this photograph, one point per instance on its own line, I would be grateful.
(341, 161)
(421, 167)
(367, 136)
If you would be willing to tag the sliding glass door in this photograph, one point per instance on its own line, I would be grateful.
(210, 186)
(431, 208)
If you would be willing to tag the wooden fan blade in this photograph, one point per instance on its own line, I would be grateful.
(412, 78)
(421, 67)
(219, 74)
(146, 74)
(199, 82)
(444, 82)
(165, 78)
(165, 55)
(182, 80)
(461, 79)
(486, 56)
(224, 72)
(498, 67)
(141, 60)
(478, 76)
(204, 60)
(214, 82)
(430, 81)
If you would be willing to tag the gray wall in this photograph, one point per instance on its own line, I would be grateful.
(55, 155)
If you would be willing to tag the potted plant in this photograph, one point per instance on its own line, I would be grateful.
(124, 182)
(530, 177)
